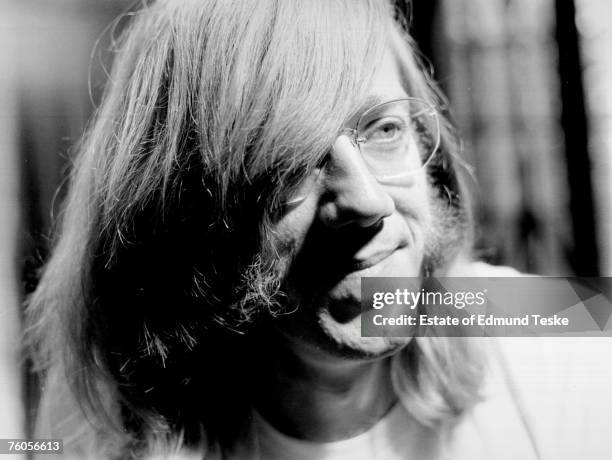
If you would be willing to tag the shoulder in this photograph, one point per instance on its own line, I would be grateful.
(557, 389)
(60, 415)
(544, 398)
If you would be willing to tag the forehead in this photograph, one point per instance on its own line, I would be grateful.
(385, 86)
(387, 81)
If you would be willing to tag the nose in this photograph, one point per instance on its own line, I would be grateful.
(352, 193)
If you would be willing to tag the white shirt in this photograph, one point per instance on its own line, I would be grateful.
(544, 398)
(391, 438)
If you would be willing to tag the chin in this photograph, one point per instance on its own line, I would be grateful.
(328, 319)
(315, 326)
(344, 340)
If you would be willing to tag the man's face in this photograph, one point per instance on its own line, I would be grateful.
(350, 226)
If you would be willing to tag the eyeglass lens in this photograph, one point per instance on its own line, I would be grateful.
(398, 137)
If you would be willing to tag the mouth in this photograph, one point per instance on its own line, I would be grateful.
(349, 256)
(346, 292)
(364, 263)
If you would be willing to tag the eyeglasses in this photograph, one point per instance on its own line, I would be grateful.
(396, 139)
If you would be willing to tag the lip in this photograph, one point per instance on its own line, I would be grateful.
(374, 259)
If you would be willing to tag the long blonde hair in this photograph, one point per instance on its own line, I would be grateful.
(213, 112)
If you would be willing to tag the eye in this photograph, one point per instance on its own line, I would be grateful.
(384, 130)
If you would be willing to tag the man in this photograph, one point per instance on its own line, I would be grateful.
(250, 163)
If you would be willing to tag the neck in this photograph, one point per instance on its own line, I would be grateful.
(312, 396)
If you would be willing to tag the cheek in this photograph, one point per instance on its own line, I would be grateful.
(414, 205)
(290, 230)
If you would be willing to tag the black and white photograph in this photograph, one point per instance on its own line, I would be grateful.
(306, 229)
